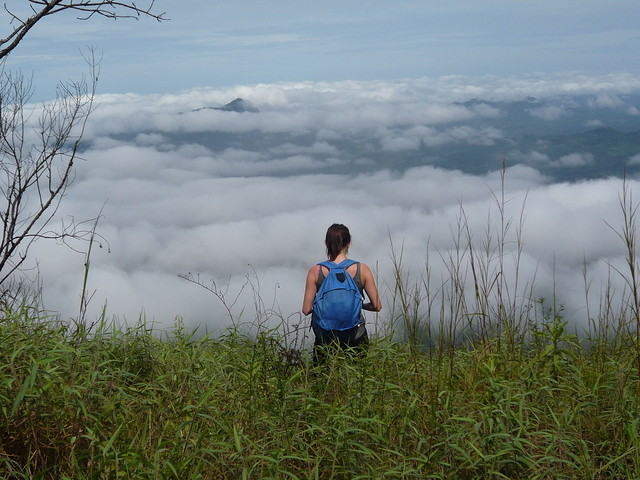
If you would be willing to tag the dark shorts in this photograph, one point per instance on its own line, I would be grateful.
(354, 338)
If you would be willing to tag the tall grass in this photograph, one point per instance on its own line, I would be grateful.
(481, 296)
(129, 403)
(483, 382)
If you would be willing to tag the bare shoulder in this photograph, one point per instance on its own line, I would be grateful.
(364, 268)
(313, 272)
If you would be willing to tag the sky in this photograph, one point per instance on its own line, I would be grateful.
(248, 225)
(225, 43)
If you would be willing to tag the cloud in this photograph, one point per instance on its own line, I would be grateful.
(606, 101)
(180, 195)
(226, 229)
(635, 160)
(346, 107)
(318, 148)
(485, 110)
(531, 157)
(594, 123)
(574, 160)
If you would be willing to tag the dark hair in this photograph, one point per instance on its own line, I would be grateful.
(337, 238)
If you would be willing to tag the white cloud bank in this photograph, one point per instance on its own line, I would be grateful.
(227, 214)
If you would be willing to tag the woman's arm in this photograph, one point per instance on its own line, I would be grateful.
(369, 284)
(310, 290)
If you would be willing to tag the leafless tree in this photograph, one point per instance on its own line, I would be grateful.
(36, 161)
(40, 143)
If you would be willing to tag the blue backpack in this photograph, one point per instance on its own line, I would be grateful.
(338, 302)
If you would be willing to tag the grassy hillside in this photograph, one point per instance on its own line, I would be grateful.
(132, 403)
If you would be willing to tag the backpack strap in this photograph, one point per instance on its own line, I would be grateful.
(329, 265)
(346, 263)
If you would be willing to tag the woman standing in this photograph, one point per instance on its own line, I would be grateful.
(338, 241)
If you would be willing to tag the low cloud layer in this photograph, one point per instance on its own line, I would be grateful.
(179, 195)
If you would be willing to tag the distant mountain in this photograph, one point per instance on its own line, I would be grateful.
(567, 138)
(239, 105)
(563, 115)
(607, 150)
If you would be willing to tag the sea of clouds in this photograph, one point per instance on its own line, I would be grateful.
(173, 204)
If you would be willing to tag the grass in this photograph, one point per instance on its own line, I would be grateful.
(130, 403)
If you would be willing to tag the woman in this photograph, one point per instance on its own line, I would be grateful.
(338, 241)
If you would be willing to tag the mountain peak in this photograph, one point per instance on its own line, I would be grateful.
(239, 105)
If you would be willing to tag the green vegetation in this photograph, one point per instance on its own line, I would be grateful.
(129, 403)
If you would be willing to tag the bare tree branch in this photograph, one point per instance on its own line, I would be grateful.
(86, 9)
